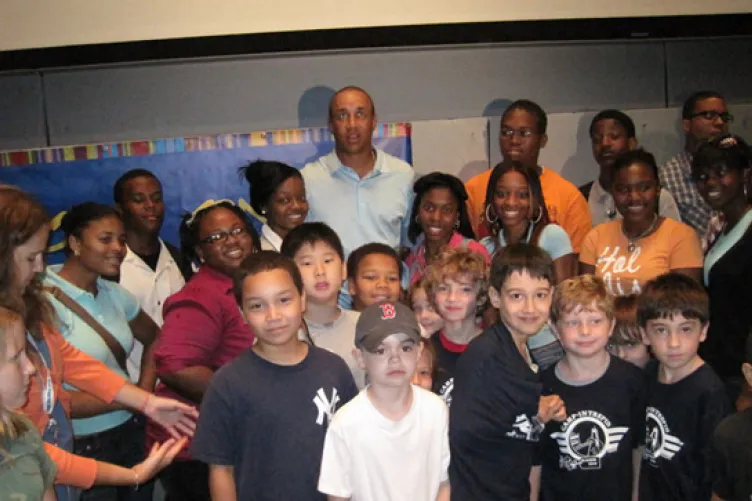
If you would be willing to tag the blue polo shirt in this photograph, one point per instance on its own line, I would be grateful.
(113, 307)
(373, 209)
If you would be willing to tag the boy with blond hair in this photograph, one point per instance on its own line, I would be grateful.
(456, 284)
(595, 453)
(686, 399)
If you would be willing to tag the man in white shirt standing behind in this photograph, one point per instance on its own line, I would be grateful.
(152, 269)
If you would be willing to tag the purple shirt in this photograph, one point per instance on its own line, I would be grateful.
(203, 326)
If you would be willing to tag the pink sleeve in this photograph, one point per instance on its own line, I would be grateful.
(190, 335)
(478, 247)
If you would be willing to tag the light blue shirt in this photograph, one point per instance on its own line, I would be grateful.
(113, 307)
(724, 243)
(553, 239)
(373, 209)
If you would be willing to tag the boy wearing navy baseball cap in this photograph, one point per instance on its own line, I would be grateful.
(389, 443)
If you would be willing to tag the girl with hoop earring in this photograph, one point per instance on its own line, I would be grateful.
(516, 212)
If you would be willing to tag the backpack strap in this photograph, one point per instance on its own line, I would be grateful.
(113, 344)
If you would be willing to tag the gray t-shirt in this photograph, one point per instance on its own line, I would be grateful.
(269, 421)
(26, 471)
(339, 337)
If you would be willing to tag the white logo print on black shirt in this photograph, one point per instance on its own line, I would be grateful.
(325, 406)
(659, 443)
(586, 437)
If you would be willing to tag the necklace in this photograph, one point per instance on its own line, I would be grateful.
(633, 241)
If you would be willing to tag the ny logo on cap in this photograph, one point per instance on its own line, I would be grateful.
(388, 311)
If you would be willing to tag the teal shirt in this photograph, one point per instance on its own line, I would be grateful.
(113, 307)
(26, 471)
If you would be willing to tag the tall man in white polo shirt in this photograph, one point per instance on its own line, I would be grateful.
(363, 193)
(152, 269)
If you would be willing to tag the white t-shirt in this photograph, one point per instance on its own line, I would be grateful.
(368, 457)
(339, 337)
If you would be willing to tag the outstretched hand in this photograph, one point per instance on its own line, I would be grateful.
(177, 418)
(159, 457)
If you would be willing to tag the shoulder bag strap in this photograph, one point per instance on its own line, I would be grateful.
(113, 344)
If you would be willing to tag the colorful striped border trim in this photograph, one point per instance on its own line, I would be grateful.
(315, 135)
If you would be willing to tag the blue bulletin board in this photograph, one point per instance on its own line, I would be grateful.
(191, 170)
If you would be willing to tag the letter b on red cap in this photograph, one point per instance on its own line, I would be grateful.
(388, 311)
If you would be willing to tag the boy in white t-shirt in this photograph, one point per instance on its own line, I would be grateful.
(390, 442)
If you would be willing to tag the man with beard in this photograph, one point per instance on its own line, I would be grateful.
(152, 269)
(612, 133)
(704, 116)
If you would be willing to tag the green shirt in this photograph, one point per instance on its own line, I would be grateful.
(26, 471)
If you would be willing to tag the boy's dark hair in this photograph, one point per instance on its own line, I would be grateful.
(262, 261)
(541, 120)
(118, 191)
(691, 102)
(626, 328)
(521, 257)
(617, 116)
(670, 294)
(311, 233)
(356, 256)
(440, 180)
(638, 156)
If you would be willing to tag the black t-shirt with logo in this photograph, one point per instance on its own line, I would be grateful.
(731, 458)
(680, 420)
(269, 422)
(492, 433)
(589, 456)
(447, 354)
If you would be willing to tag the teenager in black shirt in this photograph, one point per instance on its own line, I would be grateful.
(686, 400)
(497, 412)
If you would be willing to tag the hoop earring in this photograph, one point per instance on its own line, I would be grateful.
(488, 217)
(537, 219)
(457, 223)
(417, 219)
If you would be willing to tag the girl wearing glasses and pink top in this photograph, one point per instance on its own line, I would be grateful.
(203, 328)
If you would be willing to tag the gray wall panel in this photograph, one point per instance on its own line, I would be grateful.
(21, 112)
(198, 97)
(722, 65)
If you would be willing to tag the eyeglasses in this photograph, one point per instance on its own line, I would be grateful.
(711, 115)
(222, 236)
(523, 133)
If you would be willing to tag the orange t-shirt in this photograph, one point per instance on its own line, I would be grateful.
(672, 246)
(566, 205)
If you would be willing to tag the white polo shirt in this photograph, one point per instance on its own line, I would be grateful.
(151, 288)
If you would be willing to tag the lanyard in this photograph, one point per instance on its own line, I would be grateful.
(48, 392)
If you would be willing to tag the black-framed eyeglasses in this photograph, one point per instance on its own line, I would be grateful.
(222, 236)
(711, 115)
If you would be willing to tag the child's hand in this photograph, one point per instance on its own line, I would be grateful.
(159, 457)
(551, 407)
(177, 418)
